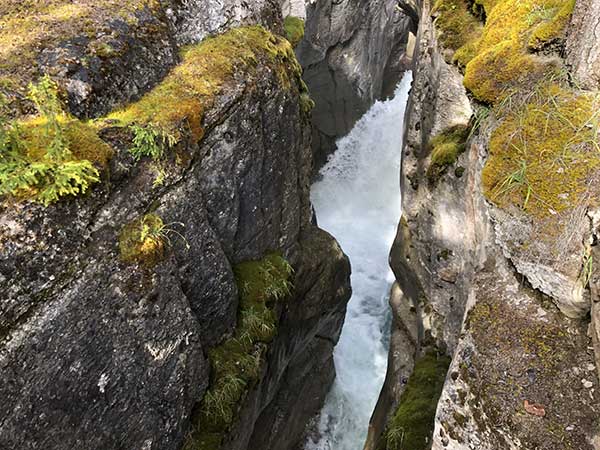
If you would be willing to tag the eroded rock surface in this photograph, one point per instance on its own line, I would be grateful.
(98, 352)
(503, 287)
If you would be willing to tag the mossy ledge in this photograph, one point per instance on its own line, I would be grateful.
(236, 364)
(445, 149)
(411, 426)
(180, 101)
(459, 29)
(544, 150)
(175, 107)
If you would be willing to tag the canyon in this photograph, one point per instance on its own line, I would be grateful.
(184, 288)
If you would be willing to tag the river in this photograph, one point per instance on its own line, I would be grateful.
(357, 199)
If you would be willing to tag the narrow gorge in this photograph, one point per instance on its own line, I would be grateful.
(290, 225)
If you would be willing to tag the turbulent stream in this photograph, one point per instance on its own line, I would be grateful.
(358, 201)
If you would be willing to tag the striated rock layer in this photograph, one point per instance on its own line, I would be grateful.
(101, 353)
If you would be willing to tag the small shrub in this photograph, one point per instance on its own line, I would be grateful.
(36, 157)
(294, 29)
(587, 272)
(150, 141)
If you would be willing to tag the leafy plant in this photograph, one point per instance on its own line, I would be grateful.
(150, 140)
(56, 173)
(588, 269)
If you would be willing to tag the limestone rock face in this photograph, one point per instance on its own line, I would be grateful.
(487, 285)
(583, 44)
(100, 353)
(349, 49)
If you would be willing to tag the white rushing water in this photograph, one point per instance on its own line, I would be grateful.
(358, 201)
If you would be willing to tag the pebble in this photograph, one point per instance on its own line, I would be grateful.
(575, 370)
(587, 384)
(591, 367)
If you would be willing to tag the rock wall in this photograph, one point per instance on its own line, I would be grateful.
(351, 55)
(100, 352)
(477, 277)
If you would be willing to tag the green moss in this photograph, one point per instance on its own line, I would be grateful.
(445, 148)
(411, 426)
(237, 362)
(487, 5)
(143, 240)
(552, 29)
(82, 139)
(465, 54)
(294, 29)
(458, 28)
(496, 74)
(181, 99)
(553, 140)
(502, 64)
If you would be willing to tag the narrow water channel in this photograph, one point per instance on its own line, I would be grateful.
(358, 201)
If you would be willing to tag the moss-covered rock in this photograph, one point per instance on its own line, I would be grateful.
(411, 426)
(445, 149)
(236, 364)
(544, 154)
(553, 27)
(182, 98)
(294, 29)
(143, 240)
(502, 64)
(458, 28)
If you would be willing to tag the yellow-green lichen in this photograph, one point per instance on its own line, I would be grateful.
(207, 69)
(411, 426)
(445, 148)
(237, 362)
(294, 29)
(458, 28)
(544, 154)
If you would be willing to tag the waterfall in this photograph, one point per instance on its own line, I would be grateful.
(358, 201)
